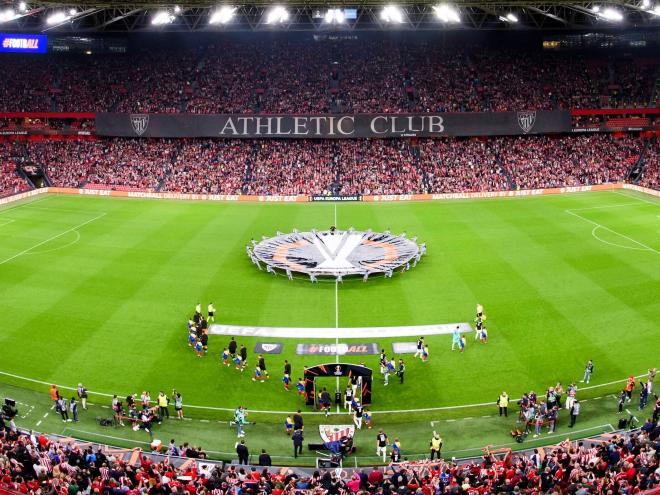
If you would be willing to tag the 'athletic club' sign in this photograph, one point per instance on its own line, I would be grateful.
(332, 126)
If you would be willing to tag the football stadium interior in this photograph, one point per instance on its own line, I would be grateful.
(315, 247)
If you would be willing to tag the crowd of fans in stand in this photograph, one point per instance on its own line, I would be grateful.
(542, 162)
(302, 76)
(624, 463)
(10, 181)
(290, 167)
(651, 177)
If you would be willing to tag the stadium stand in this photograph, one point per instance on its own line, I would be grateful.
(10, 181)
(623, 462)
(295, 76)
(651, 173)
(291, 167)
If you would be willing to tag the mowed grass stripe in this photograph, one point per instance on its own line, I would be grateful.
(112, 310)
(79, 310)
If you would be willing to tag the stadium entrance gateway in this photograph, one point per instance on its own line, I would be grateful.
(362, 373)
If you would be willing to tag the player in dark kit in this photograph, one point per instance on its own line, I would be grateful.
(262, 365)
(325, 401)
(287, 367)
(232, 347)
(243, 353)
(420, 347)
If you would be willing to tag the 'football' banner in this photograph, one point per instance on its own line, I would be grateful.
(336, 349)
(332, 126)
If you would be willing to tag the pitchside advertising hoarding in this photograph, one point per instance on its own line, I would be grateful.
(23, 43)
(332, 126)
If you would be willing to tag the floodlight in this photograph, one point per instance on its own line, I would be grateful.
(22, 7)
(72, 12)
(596, 8)
(446, 13)
(511, 17)
(57, 18)
(177, 9)
(646, 4)
(277, 14)
(162, 17)
(7, 15)
(390, 13)
(223, 15)
(333, 16)
(611, 15)
(656, 10)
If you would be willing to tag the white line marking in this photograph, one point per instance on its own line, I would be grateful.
(605, 206)
(55, 210)
(211, 408)
(648, 248)
(593, 233)
(655, 203)
(9, 220)
(46, 415)
(77, 239)
(38, 423)
(51, 239)
(5, 210)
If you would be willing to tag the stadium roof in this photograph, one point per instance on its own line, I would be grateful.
(310, 15)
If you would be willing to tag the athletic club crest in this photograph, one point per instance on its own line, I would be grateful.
(333, 433)
(526, 120)
(140, 122)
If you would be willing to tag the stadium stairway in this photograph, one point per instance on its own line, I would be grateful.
(502, 170)
(636, 171)
(416, 154)
(168, 170)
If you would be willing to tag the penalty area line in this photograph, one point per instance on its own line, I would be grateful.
(22, 205)
(654, 203)
(52, 238)
(647, 248)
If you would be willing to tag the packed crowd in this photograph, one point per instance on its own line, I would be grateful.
(543, 161)
(651, 177)
(292, 75)
(623, 463)
(290, 167)
(10, 182)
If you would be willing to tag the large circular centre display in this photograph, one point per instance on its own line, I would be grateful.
(337, 252)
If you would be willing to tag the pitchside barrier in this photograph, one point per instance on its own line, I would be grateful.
(302, 198)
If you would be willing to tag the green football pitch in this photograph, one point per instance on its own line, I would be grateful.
(99, 290)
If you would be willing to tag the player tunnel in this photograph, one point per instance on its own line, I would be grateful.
(337, 369)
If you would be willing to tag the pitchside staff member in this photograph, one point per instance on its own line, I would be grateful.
(82, 395)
